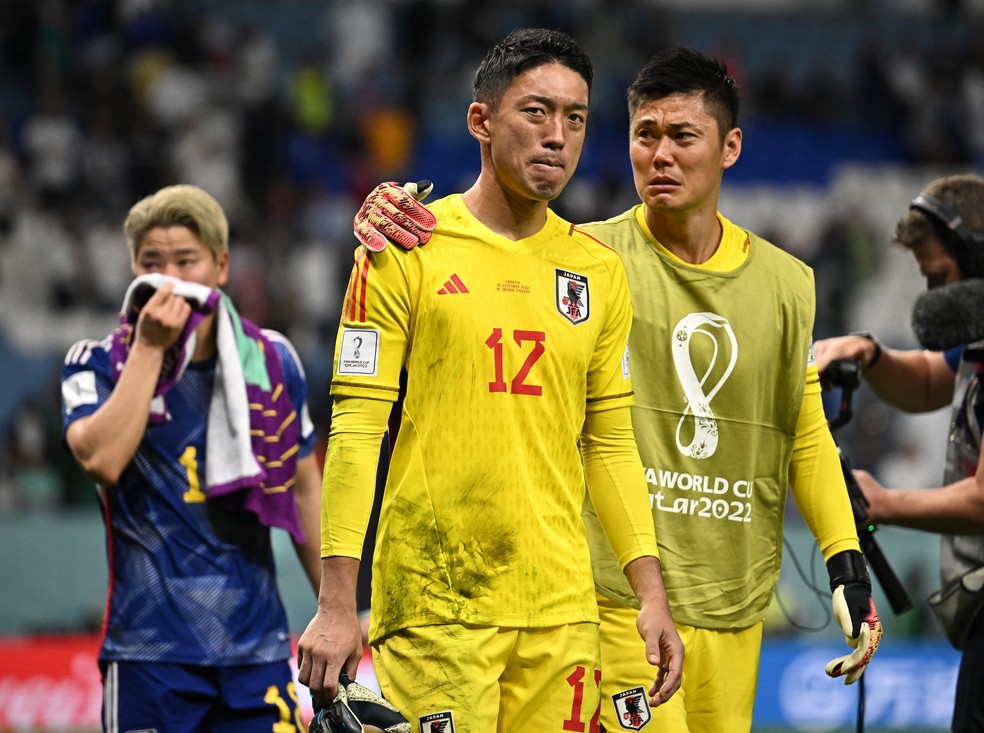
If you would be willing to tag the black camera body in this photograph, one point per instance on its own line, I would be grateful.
(845, 374)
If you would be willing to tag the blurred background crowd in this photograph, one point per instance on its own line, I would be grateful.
(288, 112)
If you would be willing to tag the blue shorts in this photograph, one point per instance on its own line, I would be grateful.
(185, 698)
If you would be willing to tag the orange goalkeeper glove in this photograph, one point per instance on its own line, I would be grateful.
(855, 611)
(392, 212)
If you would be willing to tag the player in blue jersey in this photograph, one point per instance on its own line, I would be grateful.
(193, 423)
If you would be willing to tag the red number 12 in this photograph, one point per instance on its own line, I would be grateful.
(574, 723)
(518, 383)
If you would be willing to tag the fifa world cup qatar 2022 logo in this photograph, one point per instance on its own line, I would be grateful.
(697, 430)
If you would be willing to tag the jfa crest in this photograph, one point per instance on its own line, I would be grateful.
(437, 723)
(573, 296)
(632, 708)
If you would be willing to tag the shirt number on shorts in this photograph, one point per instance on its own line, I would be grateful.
(285, 724)
(576, 721)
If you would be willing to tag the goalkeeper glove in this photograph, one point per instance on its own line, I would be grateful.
(395, 212)
(355, 705)
(855, 611)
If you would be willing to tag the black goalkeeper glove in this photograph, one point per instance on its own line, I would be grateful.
(855, 611)
(355, 705)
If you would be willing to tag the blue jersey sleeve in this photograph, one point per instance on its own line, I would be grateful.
(952, 357)
(86, 380)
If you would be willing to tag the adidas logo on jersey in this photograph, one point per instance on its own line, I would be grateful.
(453, 286)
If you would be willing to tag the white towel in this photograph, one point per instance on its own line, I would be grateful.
(203, 301)
(230, 452)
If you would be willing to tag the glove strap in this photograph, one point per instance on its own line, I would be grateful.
(847, 567)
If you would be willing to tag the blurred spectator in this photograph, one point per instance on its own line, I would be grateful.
(105, 161)
(34, 483)
(205, 153)
(844, 258)
(10, 185)
(52, 141)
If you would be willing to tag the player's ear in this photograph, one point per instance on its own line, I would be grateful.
(731, 148)
(222, 260)
(479, 116)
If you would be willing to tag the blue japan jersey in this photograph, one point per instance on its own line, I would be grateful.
(189, 582)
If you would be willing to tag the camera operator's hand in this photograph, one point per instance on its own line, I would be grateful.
(863, 348)
(875, 494)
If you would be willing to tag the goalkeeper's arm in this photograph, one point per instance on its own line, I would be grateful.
(332, 642)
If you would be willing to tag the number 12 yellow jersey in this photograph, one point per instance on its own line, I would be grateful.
(506, 346)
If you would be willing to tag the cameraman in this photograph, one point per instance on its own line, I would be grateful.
(944, 230)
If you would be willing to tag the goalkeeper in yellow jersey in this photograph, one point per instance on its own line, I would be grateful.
(512, 328)
(728, 410)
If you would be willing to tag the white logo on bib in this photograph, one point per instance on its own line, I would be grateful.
(705, 432)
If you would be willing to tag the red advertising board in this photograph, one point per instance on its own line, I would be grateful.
(49, 683)
(52, 683)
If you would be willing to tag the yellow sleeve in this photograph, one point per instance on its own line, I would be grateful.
(349, 482)
(616, 483)
(608, 375)
(374, 331)
(816, 479)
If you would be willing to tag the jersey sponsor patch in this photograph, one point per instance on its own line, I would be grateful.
(437, 723)
(79, 389)
(359, 353)
(625, 363)
(573, 296)
(632, 708)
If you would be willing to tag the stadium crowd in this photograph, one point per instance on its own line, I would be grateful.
(289, 115)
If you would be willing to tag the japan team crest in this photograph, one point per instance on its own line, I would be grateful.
(573, 296)
(632, 708)
(437, 723)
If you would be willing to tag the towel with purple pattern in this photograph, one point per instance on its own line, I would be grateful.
(203, 301)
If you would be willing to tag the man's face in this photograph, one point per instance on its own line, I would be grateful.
(935, 263)
(177, 251)
(536, 134)
(677, 153)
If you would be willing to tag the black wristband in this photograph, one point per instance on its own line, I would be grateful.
(878, 347)
(846, 567)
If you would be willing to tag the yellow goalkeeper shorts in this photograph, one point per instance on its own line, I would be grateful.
(482, 679)
(720, 674)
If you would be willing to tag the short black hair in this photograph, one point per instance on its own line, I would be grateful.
(523, 49)
(686, 71)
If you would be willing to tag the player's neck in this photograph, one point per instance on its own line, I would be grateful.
(509, 216)
(205, 340)
(694, 239)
